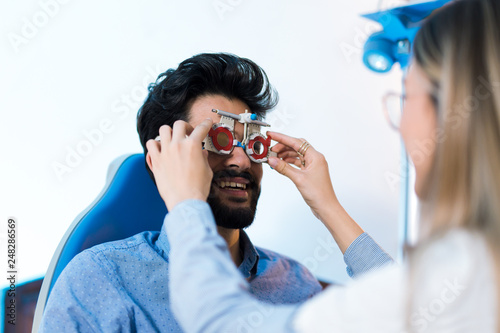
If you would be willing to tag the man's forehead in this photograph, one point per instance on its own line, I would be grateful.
(203, 106)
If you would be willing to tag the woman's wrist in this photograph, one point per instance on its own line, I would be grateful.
(340, 225)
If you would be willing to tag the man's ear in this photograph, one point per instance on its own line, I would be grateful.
(149, 162)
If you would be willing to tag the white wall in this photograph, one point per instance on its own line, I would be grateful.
(90, 62)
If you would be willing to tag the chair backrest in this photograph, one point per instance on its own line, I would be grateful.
(128, 204)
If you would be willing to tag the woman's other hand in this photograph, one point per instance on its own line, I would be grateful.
(179, 164)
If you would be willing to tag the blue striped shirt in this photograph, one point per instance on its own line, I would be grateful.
(126, 286)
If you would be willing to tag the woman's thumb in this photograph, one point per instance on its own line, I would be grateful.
(281, 166)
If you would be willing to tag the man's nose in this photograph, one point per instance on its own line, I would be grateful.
(239, 159)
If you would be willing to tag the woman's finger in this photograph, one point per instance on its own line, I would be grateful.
(294, 143)
(201, 131)
(283, 168)
(289, 153)
(165, 135)
(279, 147)
(153, 147)
(180, 130)
(299, 147)
(294, 161)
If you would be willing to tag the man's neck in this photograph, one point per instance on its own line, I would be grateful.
(232, 238)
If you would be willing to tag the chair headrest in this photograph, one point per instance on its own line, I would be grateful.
(128, 204)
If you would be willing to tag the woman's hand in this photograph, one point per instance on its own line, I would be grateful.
(309, 172)
(179, 164)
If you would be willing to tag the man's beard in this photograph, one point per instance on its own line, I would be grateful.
(234, 218)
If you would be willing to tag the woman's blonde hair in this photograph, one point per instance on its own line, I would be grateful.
(458, 48)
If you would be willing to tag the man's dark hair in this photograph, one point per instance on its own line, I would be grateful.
(174, 91)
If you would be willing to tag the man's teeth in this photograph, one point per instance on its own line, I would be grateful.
(223, 184)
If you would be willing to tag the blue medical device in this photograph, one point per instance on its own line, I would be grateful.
(393, 44)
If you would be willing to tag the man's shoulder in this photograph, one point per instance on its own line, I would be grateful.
(285, 279)
(123, 283)
(139, 246)
(267, 254)
(145, 238)
(283, 262)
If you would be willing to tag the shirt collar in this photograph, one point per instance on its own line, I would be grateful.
(162, 244)
(248, 266)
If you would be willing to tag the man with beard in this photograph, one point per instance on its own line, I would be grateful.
(122, 286)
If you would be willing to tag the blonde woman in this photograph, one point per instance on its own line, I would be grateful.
(451, 280)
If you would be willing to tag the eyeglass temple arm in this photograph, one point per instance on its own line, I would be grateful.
(244, 118)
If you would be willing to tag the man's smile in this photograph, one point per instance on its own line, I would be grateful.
(233, 184)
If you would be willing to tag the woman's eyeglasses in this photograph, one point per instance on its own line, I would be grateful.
(393, 104)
